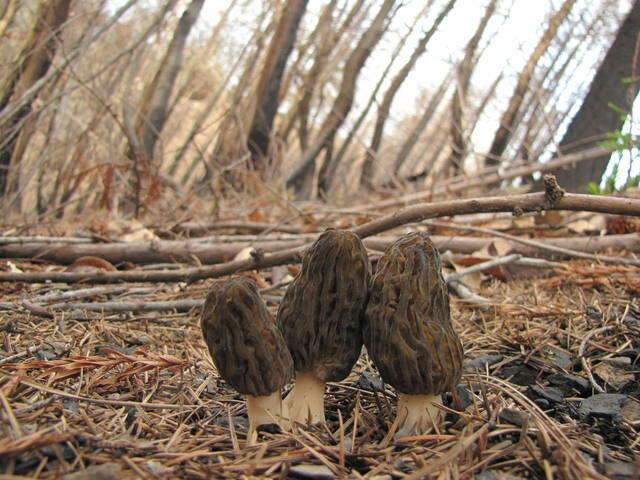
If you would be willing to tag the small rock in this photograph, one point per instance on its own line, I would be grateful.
(312, 471)
(519, 373)
(568, 382)
(138, 338)
(616, 376)
(157, 468)
(618, 470)
(480, 362)
(542, 403)
(603, 405)
(631, 411)
(549, 393)
(237, 422)
(45, 354)
(369, 382)
(71, 405)
(494, 475)
(106, 471)
(516, 417)
(557, 356)
(465, 396)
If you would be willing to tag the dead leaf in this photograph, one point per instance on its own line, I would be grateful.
(91, 264)
(552, 218)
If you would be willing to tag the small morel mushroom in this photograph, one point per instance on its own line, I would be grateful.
(408, 331)
(320, 318)
(247, 348)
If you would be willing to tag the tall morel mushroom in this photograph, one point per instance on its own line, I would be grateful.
(320, 318)
(247, 348)
(408, 331)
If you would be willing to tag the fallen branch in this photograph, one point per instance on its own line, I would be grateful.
(493, 178)
(165, 252)
(516, 203)
(479, 267)
(200, 228)
(532, 243)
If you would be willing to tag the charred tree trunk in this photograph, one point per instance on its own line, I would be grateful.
(509, 117)
(304, 170)
(267, 94)
(596, 117)
(32, 63)
(396, 83)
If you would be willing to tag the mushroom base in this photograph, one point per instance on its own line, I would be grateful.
(417, 414)
(262, 411)
(305, 402)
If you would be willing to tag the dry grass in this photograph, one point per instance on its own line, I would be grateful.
(139, 394)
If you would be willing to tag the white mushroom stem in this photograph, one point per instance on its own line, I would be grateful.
(305, 402)
(417, 414)
(263, 410)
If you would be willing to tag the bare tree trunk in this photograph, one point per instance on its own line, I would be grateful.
(332, 168)
(387, 101)
(8, 11)
(304, 169)
(153, 111)
(414, 136)
(507, 122)
(327, 44)
(268, 91)
(32, 63)
(596, 117)
(459, 99)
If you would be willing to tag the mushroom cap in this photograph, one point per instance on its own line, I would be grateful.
(245, 345)
(408, 331)
(321, 313)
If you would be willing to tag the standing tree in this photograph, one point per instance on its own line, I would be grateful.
(153, 110)
(596, 116)
(390, 94)
(31, 64)
(303, 171)
(508, 122)
(459, 100)
(268, 92)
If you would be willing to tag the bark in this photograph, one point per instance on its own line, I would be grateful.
(32, 63)
(268, 91)
(516, 203)
(596, 117)
(303, 171)
(510, 115)
(459, 101)
(389, 96)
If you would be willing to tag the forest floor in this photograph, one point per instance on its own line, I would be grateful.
(551, 388)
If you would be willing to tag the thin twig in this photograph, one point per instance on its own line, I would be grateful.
(540, 245)
(583, 360)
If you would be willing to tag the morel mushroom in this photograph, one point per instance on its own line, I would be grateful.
(320, 318)
(408, 331)
(247, 348)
